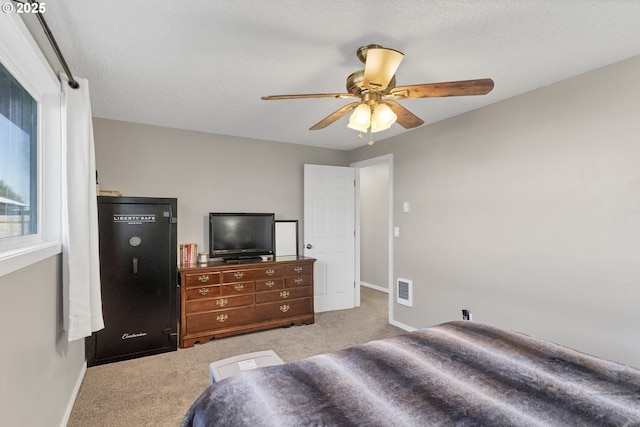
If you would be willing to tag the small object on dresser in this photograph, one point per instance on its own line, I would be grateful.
(203, 257)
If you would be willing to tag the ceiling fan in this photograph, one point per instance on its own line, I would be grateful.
(377, 108)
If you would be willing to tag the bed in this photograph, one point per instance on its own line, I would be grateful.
(462, 373)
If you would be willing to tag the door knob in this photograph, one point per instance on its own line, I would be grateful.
(309, 246)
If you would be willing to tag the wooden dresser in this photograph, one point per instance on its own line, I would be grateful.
(219, 299)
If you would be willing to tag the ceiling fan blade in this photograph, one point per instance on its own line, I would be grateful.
(309, 95)
(434, 90)
(334, 116)
(406, 118)
(380, 66)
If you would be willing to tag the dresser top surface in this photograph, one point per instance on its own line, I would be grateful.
(244, 264)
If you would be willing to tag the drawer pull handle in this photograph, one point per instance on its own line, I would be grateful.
(203, 291)
(284, 294)
(299, 280)
(222, 302)
(203, 278)
(222, 318)
(239, 287)
(284, 308)
(270, 272)
(298, 269)
(238, 274)
(270, 284)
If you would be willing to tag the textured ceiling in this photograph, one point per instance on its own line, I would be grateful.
(203, 65)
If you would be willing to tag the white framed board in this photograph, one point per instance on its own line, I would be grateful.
(286, 237)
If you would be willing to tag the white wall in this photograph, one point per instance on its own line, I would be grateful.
(527, 213)
(205, 172)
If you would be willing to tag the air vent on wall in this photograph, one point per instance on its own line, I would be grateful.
(404, 292)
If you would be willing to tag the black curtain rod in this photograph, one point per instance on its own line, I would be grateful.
(72, 82)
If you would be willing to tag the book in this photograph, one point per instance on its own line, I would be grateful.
(187, 254)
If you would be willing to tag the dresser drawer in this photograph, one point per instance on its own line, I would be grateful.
(279, 310)
(300, 280)
(283, 294)
(252, 274)
(208, 304)
(269, 284)
(202, 292)
(237, 288)
(268, 272)
(201, 278)
(294, 269)
(218, 319)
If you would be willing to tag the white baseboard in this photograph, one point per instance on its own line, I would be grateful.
(377, 288)
(391, 321)
(74, 395)
(402, 326)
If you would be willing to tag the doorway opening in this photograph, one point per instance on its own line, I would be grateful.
(374, 226)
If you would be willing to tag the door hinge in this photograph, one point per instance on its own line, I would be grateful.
(172, 219)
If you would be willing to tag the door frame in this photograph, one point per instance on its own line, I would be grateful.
(388, 159)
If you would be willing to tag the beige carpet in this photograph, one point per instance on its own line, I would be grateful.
(158, 390)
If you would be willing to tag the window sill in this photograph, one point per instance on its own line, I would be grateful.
(14, 260)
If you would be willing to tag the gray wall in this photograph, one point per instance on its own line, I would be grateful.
(527, 213)
(205, 172)
(374, 225)
(39, 369)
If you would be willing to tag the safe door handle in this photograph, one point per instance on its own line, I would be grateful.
(135, 266)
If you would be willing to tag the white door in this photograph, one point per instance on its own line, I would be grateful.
(329, 234)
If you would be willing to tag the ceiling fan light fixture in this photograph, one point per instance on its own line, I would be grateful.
(382, 118)
(360, 118)
(380, 67)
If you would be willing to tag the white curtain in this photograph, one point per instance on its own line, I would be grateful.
(81, 267)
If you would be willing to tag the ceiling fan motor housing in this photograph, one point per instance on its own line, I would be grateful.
(355, 83)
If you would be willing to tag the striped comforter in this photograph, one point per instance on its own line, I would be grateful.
(459, 373)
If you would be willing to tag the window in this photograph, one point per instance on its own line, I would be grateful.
(31, 161)
(19, 160)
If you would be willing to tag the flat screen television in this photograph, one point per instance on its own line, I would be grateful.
(237, 236)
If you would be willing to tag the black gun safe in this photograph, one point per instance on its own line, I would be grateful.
(138, 274)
